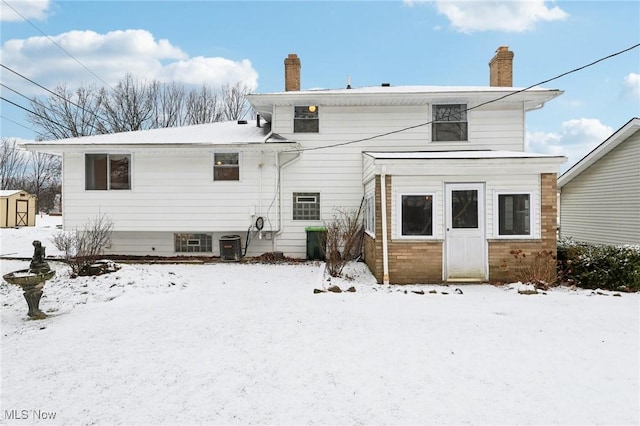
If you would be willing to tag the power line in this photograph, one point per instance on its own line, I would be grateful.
(36, 114)
(404, 129)
(60, 47)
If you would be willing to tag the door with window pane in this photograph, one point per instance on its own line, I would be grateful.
(465, 232)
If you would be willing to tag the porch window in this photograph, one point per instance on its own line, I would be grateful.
(370, 215)
(449, 123)
(226, 166)
(305, 119)
(417, 215)
(514, 214)
(107, 171)
(193, 243)
(306, 206)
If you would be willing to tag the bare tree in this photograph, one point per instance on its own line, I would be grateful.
(13, 161)
(234, 101)
(43, 178)
(129, 106)
(169, 104)
(66, 114)
(203, 106)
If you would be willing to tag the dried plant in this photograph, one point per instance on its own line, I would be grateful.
(539, 268)
(343, 240)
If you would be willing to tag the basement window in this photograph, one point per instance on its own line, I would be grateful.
(107, 171)
(449, 123)
(193, 243)
(305, 119)
(226, 166)
(306, 206)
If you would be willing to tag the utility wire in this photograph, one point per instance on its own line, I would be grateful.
(60, 47)
(36, 114)
(404, 129)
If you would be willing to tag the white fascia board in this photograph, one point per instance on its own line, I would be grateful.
(58, 149)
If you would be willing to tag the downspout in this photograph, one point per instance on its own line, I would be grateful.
(383, 204)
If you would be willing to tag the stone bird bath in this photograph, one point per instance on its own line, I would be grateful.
(32, 280)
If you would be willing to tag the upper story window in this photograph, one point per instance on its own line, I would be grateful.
(226, 166)
(305, 119)
(107, 171)
(449, 122)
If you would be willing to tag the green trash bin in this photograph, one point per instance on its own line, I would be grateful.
(316, 236)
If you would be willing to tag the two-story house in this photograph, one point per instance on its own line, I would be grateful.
(447, 187)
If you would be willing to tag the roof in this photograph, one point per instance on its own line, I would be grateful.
(457, 155)
(219, 133)
(532, 98)
(9, 192)
(600, 151)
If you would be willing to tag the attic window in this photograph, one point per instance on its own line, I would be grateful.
(449, 123)
(305, 119)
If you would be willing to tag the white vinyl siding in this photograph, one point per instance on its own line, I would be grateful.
(174, 191)
(602, 204)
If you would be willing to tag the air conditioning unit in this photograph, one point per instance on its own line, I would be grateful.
(230, 248)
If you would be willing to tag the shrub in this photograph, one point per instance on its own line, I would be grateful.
(539, 268)
(343, 240)
(609, 267)
(82, 248)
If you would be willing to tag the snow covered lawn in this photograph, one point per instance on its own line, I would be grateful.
(252, 344)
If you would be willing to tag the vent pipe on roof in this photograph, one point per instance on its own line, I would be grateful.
(257, 120)
(242, 121)
(348, 82)
(386, 85)
(501, 68)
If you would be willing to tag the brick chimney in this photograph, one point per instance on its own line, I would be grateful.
(501, 68)
(292, 72)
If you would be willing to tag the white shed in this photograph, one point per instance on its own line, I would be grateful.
(17, 208)
(600, 195)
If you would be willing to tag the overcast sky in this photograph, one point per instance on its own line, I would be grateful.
(403, 43)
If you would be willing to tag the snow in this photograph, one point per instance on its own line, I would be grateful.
(478, 154)
(231, 343)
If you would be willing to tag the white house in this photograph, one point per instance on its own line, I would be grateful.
(600, 194)
(447, 188)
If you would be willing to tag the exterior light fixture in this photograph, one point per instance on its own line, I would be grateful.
(312, 108)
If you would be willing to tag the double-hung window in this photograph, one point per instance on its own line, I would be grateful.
(449, 123)
(416, 215)
(370, 214)
(306, 206)
(226, 166)
(305, 119)
(107, 171)
(514, 214)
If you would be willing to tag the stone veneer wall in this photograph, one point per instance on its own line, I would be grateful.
(503, 267)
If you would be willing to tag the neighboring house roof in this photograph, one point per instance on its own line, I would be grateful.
(600, 151)
(219, 134)
(532, 98)
(9, 192)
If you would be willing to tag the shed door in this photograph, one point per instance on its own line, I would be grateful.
(465, 234)
(22, 212)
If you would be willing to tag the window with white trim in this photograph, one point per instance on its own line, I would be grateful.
(193, 243)
(305, 119)
(449, 123)
(417, 215)
(104, 172)
(370, 214)
(514, 214)
(306, 206)
(226, 166)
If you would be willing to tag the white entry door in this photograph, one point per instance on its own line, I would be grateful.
(465, 243)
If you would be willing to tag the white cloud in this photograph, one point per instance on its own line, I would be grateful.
(511, 16)
(111, 56)
(575, 139)
(632, 86)
(29, 9)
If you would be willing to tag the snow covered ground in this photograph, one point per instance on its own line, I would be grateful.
(233, 343)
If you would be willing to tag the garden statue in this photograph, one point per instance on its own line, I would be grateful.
(32, 280)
